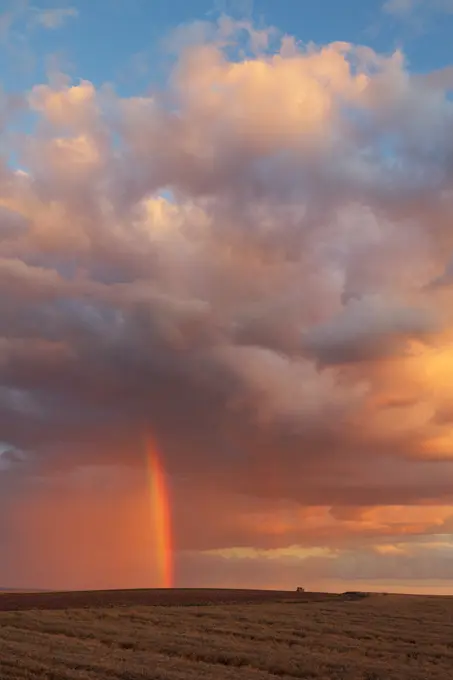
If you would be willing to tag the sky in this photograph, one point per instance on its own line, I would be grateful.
(226, 265)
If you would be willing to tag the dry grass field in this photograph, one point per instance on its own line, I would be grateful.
(239, 636)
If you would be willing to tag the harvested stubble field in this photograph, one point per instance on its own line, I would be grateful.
(240, 635)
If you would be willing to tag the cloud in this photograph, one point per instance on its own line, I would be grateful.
(244, 264)
(53, 18)
(20, 23)
(368, 328)
(19, 19)
(401, 8)
(379, 566)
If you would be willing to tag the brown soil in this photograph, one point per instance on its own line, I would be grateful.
(242, 635)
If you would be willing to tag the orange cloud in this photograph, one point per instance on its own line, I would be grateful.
(255, 264)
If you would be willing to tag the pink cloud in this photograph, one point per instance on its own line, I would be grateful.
(244, 264)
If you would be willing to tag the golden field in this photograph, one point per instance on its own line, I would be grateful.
(241, 636)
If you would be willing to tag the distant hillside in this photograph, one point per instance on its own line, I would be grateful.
(21, 590)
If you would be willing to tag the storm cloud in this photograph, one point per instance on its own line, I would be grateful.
(242, 264)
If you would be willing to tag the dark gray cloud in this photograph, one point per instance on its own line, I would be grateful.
(367, 329)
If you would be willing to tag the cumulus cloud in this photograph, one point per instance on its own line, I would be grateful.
(243, 264)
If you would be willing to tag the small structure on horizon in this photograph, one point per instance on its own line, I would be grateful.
(299, 589)
(355, 595)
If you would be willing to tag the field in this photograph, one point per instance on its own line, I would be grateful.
(240, 635)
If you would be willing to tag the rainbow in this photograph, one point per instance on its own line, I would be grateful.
(160, 514)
